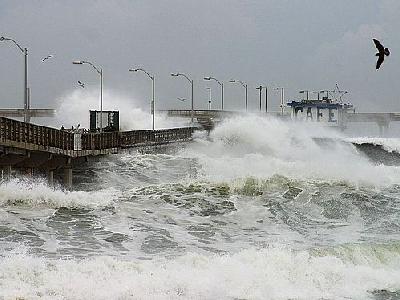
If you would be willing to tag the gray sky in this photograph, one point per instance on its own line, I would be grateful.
(298, 44)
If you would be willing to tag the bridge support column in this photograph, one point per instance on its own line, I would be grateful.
(68, 177)
(6, 173)
(50, 177)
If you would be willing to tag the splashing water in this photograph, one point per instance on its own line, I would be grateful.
(74, 108)
(260, 147)
(260, 209)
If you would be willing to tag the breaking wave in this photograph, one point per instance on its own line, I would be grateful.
(258, 147)
(36, 193)
(276, 272)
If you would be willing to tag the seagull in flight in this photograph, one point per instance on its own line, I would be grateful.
(81, 84)
(47, 57)
(182, 99)
(381, 53)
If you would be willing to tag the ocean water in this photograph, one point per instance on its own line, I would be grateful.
(258, 209)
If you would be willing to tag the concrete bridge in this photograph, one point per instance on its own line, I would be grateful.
(30, 148)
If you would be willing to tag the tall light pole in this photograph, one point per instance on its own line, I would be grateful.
(191, 83)
(209, 97)
(222, 89)
(243, 85)
(26, 89)
(100, 72)
(282, 90)
(152, 89)
(260, 88)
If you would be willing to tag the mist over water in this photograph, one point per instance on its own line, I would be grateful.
(258, 209)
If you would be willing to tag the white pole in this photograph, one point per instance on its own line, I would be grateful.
(209, 98)
(153, 99)
(101, 100)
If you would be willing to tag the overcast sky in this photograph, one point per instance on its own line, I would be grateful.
(303, 44)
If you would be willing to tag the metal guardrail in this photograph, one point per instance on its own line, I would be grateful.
(29, 136)
(163, 136)
(200, 113)
(21, 132)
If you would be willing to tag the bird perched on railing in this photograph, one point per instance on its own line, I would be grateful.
(381, 53)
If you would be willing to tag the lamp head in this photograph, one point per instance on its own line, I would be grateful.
(133, 70)
(232, 80)
(207, 78)
(174, 74)
(77, 62)
(2, 38)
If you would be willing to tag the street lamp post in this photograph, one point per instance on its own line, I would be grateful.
(243, 85)
(266, 96)
(100, 72)
(209, 97)
(191, 83)
(152, 89)
(222, 89)
(260, 89)
(282, 91)
(26, 89)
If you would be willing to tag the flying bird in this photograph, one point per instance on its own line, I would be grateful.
(182, 99)
(381, 53)
(81, 84)
(47, 57)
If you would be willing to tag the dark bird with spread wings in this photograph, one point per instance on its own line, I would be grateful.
(81, 84)
(381, 53)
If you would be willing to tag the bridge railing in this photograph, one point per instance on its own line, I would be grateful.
(199, 113)
(21, 132)
(99, 141)
(161, 136)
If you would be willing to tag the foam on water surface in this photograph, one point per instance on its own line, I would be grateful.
(275, 272)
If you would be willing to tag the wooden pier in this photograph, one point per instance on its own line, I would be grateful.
(29, 147)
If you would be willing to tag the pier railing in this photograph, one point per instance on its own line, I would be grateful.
(162, 136)
(34, 137)
(41, 136)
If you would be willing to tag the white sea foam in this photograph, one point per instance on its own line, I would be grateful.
(37, 193)
(271, 273)
(260, 147)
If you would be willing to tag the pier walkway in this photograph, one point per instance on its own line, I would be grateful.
(30, 147)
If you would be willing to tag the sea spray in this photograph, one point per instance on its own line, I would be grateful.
(261, 147)
(73, 109)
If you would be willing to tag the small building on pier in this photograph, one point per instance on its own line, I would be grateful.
(325, 110)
